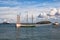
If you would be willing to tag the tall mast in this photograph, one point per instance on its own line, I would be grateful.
(27, 18)
(18, 18)
(32, 18)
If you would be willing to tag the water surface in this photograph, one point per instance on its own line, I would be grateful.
(45, 32)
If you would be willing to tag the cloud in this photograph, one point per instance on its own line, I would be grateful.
(58, 10)
(53, 11)
(11, 12)
(10, 8)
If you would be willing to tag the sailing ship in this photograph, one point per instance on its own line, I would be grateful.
(18, 24)
(18, 21)
(28, 24)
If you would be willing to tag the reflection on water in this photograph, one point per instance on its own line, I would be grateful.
(26, 32)
(47, 32)
(17, 33)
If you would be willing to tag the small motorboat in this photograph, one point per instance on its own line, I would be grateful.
(56, 23)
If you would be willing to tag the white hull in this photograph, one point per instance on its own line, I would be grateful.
(18, 25)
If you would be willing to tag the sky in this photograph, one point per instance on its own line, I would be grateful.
(10, 8)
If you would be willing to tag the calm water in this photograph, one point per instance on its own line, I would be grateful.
(45, 32)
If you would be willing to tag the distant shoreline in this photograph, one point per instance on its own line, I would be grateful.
(28, 23)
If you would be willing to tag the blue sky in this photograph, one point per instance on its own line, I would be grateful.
(10, 8)
(28, 3)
